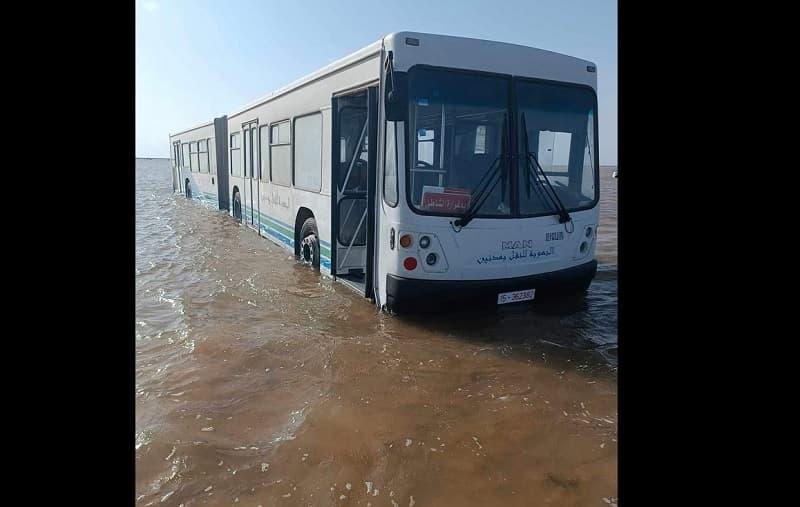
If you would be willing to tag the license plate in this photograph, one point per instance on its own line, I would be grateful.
(517, 295)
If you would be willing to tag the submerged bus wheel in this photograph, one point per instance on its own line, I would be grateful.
(309, 246)
(237, 206)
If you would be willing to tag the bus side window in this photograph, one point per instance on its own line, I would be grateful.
(390, 166)
(553, 155)
(212, 155)
(185, 156)
(235, 156)
(307, 158)
(263, 151)
(425, 144)
(280, 153)
(480, 140)
(193, 157)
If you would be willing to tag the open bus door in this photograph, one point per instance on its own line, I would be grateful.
(354, 152)
(251, 181)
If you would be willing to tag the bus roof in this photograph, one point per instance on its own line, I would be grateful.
(206, 124)
(363, 54)
(474, 40)
(352, 58)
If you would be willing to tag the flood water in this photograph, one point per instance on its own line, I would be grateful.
(260, 383)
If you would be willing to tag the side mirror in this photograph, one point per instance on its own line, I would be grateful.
(396, 99)
(396, 103)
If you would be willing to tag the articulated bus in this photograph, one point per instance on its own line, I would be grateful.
(422, 171)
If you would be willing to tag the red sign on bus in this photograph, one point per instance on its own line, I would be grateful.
(445, 200)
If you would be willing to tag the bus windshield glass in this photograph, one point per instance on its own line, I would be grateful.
(458, 132)
(460, 146)
(557, 123)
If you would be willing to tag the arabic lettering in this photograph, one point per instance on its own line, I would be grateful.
(517, 255)
(275, 199)
(485, 259)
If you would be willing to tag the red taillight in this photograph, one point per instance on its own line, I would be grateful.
(410, 263)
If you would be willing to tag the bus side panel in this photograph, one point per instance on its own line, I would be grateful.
(389, 218)
(280, 205)
(277, 214)
(203, 185)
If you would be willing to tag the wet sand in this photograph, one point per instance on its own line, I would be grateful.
(258, 382)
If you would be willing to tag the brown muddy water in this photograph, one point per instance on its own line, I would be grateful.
(260, 383)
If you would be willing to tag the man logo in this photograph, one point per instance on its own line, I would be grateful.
(512, 245)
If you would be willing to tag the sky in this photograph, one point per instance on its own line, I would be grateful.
(196, 60)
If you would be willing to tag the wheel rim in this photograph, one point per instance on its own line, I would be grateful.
(308, 247)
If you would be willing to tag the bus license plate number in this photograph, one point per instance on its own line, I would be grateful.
(513, 297)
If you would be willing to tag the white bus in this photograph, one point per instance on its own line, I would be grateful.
(422, 171)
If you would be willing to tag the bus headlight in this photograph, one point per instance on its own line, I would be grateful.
(423, 250)
(587, 243)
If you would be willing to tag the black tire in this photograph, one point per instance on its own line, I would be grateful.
(237, 207)
(309, 243)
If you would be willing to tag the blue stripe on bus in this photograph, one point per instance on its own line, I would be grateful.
(271, 219)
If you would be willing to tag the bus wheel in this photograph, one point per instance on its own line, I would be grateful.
(309, 246)
(237, 207)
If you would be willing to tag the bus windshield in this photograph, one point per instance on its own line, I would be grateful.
(457, 123)
(557, 124)
(458, 136)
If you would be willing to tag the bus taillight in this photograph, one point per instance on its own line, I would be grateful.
(410, 263)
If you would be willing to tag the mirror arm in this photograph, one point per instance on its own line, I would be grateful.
(390, 75)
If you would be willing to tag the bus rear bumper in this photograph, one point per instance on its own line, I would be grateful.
(407, 294)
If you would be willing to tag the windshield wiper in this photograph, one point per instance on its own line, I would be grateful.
(552, 197)
(492, 173)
